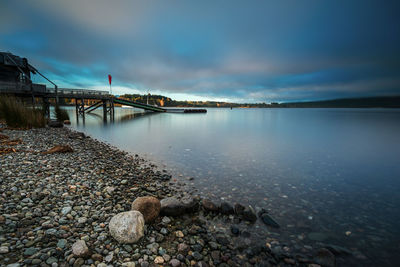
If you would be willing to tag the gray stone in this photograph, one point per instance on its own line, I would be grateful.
(4, 250)
(66, 210)
(62, 243)
(30, 251)
(127, 227)
(175, 263)
(51, 260)
(80, 249)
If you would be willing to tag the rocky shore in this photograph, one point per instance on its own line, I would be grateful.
(67, 207)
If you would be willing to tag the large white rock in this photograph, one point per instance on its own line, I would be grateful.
(127, 227)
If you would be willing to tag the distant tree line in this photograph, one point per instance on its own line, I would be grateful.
(368, 102)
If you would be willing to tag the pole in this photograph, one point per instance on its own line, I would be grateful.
(110, 90)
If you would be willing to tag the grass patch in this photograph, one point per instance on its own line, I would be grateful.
(15, 113)
(61, 114)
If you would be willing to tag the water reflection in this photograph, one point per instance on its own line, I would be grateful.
(327, 175)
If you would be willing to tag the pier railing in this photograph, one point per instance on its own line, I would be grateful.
(78, 92)
(21, 88)
(18, 87)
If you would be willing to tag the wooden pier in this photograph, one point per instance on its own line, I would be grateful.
(15, 79)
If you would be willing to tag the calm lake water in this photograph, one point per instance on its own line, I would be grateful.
(327, 176)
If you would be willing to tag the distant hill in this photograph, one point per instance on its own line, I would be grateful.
(367, 102)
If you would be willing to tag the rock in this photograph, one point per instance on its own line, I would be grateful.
(172, 206)
(197, 256)
(66, 210)
(226, 208)
(249, 214)
(338, 250)
(79, 262)
(97, 257)
(149, 207)
(109, 189)
(239, 208)
(179, 234)
(267, 220)
(166, 257)
(166, 220)
(190, 204)
(235, 230)
(80, 249)
(208, 205)
(4, 250)
(30, 251)
(182, 247)
(159, 260)
(129, 264)
(215, 255)
(325, 258)
(51, 260)
(222, 239)
(109, 257)
(59, 149)
(61, 243)
(127, 227)
(174, 263)
(55, 124)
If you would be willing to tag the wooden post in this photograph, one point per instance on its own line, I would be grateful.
(104, 110)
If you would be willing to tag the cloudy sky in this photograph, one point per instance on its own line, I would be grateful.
(242, 51)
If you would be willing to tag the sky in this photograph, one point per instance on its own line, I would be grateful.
(237, 51)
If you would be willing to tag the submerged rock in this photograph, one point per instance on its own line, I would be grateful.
(338, 250)
(268, 220)
(209, 205)
(325, 258)
(249, 214)
(172, 206)
(226, 208)
(149, 207)
(239, 208)
(127, 227)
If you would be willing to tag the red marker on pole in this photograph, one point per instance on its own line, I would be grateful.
(109, 80)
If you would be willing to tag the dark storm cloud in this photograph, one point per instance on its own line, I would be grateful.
(244, 51)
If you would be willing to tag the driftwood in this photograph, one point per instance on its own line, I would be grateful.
(11, 142)
(7, 150)
(59, 149)
(3, 137)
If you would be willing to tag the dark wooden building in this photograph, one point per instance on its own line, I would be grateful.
(14, 69)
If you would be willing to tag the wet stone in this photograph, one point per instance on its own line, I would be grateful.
(30, 251)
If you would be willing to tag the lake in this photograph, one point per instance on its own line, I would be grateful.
(327, 176)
